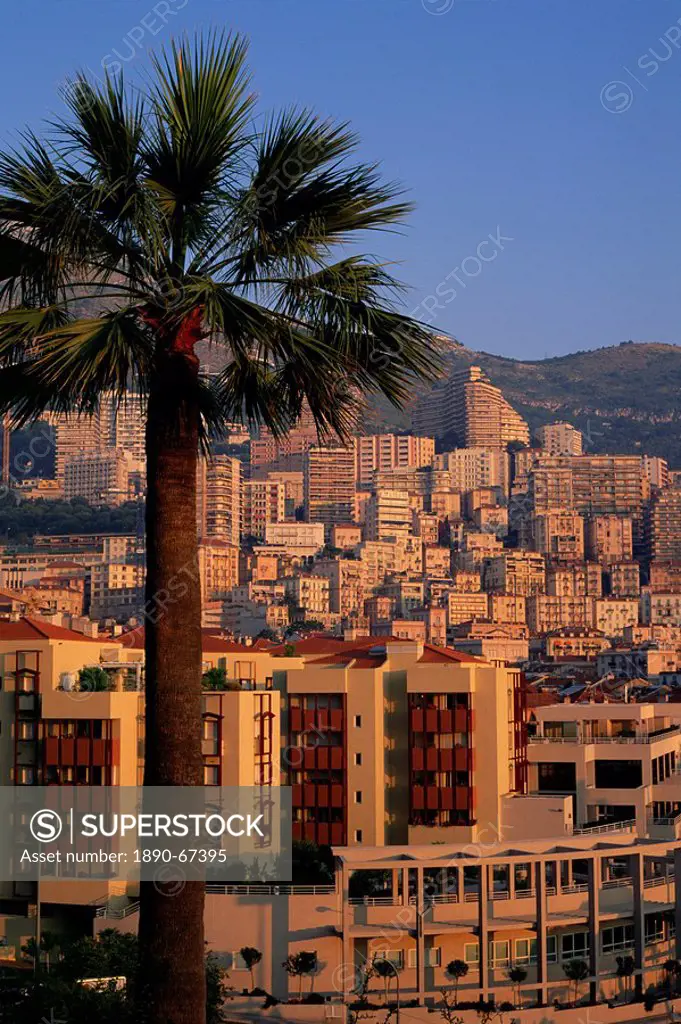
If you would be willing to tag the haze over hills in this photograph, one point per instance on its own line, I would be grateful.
(626, 399)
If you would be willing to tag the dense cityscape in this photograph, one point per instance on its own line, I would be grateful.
(476, 646)
(340, 514)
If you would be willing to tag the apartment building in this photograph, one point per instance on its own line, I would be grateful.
(475, 467)
(660, 609)
(264, 502)
(329, 485)
(220, 499)
(559, 535)
(383, 558)
(560, 439)
(547, 612)
(100, 477)
(115, 425)
(507, 608)
(347, 584)
(583, 579)
(308, 594)
(303, 539)
(616, 761)
(592, 484)
(613, 614)
(376, 452)
(471, 408)
(388, 515)
(624, 579)
(609, 539)
(116, 591)
(663, 526)
(515, 572)
(466, 607)
(218, 568)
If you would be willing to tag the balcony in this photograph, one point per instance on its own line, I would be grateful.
(583, 737)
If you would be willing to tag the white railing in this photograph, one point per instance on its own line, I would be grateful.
(117, 913)
(215, 889)
(613, 826)
(374, 901)
(647, 736)
(617, 883)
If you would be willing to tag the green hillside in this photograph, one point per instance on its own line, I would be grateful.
(626, 398)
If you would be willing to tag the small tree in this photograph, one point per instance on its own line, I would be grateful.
(516, 975)
(625, 969)
(671, 970)
(576, 971)
(251, 957)
(298, 964)
(447, 1007)
(310, 962)
(385, 969)
(457, 969)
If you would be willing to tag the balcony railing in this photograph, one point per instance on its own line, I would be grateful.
(613, 826)
(644, 736)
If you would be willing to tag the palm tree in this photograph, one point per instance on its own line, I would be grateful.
(152, 220)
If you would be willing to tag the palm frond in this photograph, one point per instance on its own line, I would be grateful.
(302, 200)
(201, 107)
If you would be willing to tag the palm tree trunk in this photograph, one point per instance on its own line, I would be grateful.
(172, 972)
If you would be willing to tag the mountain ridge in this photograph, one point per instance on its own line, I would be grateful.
(598, 390)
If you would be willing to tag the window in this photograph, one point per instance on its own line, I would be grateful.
(525, 951)
(26, 730)
(499, 953)
(654, 929)
(358, 796)
(358, 835)
(471, 953)
(393, 956)
(358, 760)
(25, 776)
(358, 721)
(575, 946)
(210, 729)
(433, 957)
(618, 938)
(238, 962)
(211, 775)
(551, 949)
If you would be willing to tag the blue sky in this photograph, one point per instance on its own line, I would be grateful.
(500, 117)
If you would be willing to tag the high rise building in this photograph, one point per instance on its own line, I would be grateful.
(471, 468)
(388, 514)
(329, 484)
(559, 535)
(471, 408)
(390, 451)
(219, 498)
(609, 539)
(264, 501)
(116, 424)
(595, 484)
(663, 526)
(560, 439)
(100, 477)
